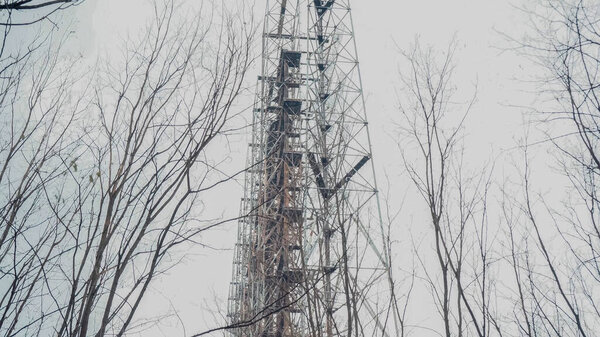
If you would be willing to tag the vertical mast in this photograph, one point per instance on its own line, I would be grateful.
(308, 259)
(266, 266)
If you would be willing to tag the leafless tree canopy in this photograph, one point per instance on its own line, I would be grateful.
(559, 280)
(456, 198)
(102, 177)
(29, 12)
(538, 276)
(30, 4)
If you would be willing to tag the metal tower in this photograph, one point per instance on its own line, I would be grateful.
(309, 259)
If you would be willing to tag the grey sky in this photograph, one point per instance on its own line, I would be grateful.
(383, 28)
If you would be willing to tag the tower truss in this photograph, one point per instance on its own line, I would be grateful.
(309, 260)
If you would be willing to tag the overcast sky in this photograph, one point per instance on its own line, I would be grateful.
(383, 29)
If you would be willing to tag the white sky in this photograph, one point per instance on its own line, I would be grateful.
(383, 27)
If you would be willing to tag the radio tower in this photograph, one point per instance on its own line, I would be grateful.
(309, 260)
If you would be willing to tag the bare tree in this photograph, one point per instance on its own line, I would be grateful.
(555, 256)
(29, 12)
(95, 201)
(401, 288)
(31, 4)
(462, 285)
(36, 110)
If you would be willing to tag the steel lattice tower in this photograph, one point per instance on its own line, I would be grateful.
(309, 259)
